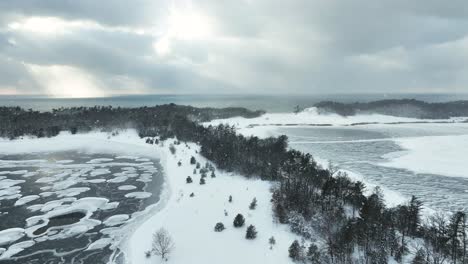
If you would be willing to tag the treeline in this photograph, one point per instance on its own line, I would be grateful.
(399, 107)
(158, 120)
(314, 201)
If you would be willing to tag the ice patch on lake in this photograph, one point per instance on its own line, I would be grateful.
(138, 195)
(16, 248)
(10, 235)
(126, 187)
(116, 220)
(26, 199)
(442, 155)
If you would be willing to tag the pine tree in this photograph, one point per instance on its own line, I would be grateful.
(253, 204)
(193, 160)
(202, 181)
(420, 257)
(219, 227)
(295, 251)
(272, 241)
(251, 232)
(189, 179)
(239, 220)
(213, 175)
(179, 163)
(313, 254)
(230, 198)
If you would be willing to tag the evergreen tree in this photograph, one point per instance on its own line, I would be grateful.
(219, 227)
(313, 254)
(420, 257)
(239, 220)
(230, 198)
(251, 232)
(213, 175)
(198, 165)
(202, 181)
(179, 163)
(189, 179)
(253, 204)
(193, 160)
(272, 241)
(295, 251)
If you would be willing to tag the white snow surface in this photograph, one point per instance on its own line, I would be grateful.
(443, 155)
(261, 126)
(191, 220)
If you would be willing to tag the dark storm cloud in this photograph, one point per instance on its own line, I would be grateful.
(300, 46)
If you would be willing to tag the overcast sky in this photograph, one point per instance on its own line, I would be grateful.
(82, 48)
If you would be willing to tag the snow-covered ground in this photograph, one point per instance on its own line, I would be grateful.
(191, 220)
(443, 155)
(261, 126)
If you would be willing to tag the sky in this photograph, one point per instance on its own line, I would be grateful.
(89, 48)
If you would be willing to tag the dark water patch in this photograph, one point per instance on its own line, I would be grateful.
(60, 220)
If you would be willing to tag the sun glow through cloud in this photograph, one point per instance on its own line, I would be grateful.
(183, 23)
(66, 81)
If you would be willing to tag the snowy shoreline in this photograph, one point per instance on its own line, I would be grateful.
(189, 220)
(418, 154)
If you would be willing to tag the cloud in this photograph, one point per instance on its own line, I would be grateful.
(245, 46)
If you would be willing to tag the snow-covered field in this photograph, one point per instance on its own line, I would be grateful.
(191, 220)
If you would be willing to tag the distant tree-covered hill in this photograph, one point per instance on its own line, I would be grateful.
(401, 107)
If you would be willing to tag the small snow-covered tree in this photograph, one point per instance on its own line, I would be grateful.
(193, 160)
(253, 204)
(239, 220)
(213, 175)
(219, 227)
(272, 241)
(313, 254)
(295, 251)
(230, 198)
(179, 163)
(162, 243)
(202, 181)
(198, 165)
(192, 195)
(172, 149)
(420, 257)
(251, 232)
(189, 179)
(194, 171)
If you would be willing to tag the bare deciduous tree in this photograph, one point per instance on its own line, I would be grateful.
(162, 243)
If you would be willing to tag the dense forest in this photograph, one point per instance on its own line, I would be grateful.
(315, 202)
(403, 108)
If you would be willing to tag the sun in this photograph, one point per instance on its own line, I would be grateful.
(183, 23)
(189, 24)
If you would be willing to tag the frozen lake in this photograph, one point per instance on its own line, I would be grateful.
(60, 207)
(367, 151)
